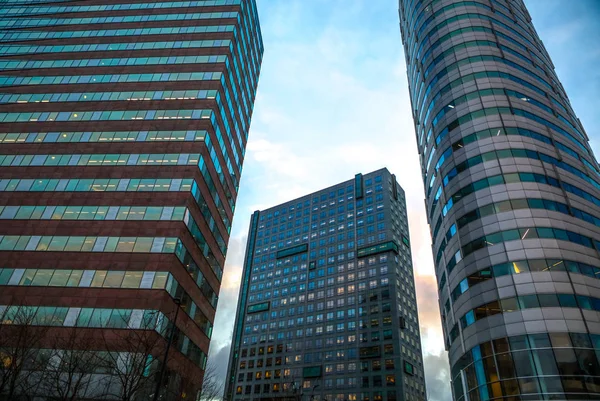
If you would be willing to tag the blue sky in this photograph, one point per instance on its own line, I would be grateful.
(333, 101)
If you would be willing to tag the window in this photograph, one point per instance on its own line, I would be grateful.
(409, 368)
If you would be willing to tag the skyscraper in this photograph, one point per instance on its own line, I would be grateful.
(513, 201)
(327, 307)
(123, 126)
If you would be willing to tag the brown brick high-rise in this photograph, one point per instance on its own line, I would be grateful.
(123, 126)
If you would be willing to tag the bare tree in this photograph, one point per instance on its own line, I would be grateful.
(212, 386)
(74, 365)
(135, 371)
(22, 361)
(70, 363)
(132, 372)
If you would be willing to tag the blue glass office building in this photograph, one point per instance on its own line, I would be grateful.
(513, 201)
(327, 307)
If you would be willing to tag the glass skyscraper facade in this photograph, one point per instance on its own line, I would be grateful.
(327, 307)
(123, 127)
(513, 202)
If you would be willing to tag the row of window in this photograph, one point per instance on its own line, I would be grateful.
(493, 111)
(46, 22)
(328, 384)
(336, 275)
(339, 356)
(203, 245)
(485, 29)
(511, 178)
(107, 62)
(414, 28)
(97, 184)
(113, 7)
(87, 244)
(494, 44)
(476, 136)
(490, 92)
(19, 35)
(106, 96)
(321, 220)
(340, 382)
(515, 152)
(530, 364)
(87, 278)
(321, 331)
(435, 16)
(100, 318)
(313, 274)
(134, 185)
(480, 43)
(521, 234)
(341, 314)
(107, 279)
(312, 285)
(82, 317)
(194, 271)
(528, 203)
(112, 244)
(528, 233)
(495, 74)
(370, 239)
(206, 212)
(8, 49)
(102, 136)
(118, 115)
(510, 205)
(320, 294)
(459, 82)
(99, 159)
(488, 133)
(175, 213)
(343, 214)
(351, 326)
(523, 266)
(522, 302)
(318, 343)
(323, 197)
(8, 80)
(469, 16)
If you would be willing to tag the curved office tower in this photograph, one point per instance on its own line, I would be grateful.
(513, 201)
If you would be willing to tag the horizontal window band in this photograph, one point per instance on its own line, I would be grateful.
(47, 22)
(23, 98)
(109, 78)
(117, 115)
(20, 35)
(101, 136)
(47, 9)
